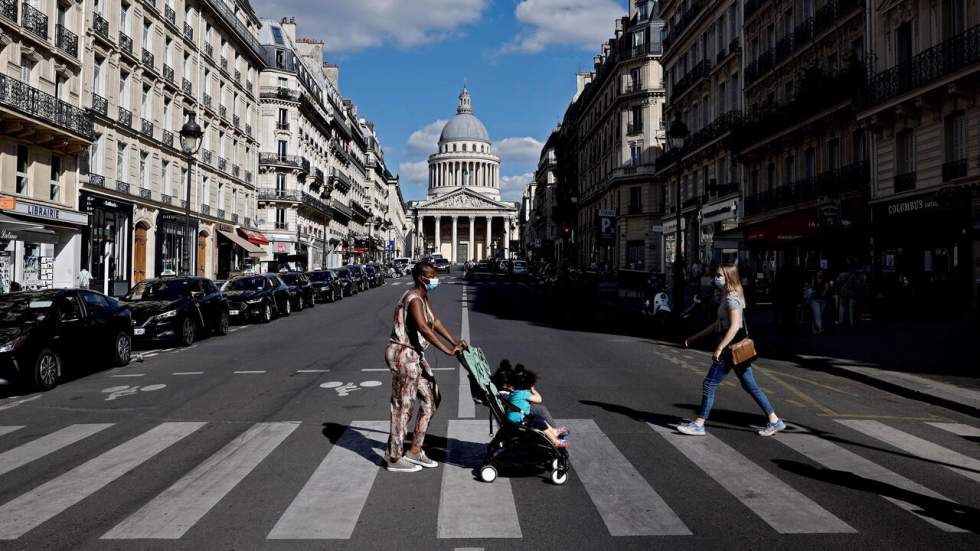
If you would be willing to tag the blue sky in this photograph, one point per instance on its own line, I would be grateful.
(403, 63)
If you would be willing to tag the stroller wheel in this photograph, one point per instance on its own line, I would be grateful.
(554, 464)
(559, 477)
(488, 473)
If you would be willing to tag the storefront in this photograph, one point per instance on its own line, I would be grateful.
(237, 254)
(175, 244)
(924, 250)
(107, 242)
(719, 219)
(40, 244)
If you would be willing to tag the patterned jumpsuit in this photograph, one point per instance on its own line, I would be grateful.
(405, 359)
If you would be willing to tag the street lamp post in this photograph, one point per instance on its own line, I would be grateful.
(676, 135)
(190, 143)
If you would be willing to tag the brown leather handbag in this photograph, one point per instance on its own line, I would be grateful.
(744, 350)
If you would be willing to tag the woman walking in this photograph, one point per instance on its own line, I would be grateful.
(730, 328)
(415, 327)
(818, 301)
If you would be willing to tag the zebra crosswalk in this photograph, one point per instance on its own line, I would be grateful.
(330, 503)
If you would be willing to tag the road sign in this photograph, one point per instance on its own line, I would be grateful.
(605, 226)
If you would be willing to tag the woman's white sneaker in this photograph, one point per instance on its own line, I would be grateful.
(402, 466)
(421, 460)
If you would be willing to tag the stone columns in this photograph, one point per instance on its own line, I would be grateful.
(419, 234)
(471, 250)
(486, 247)
(438, 236)
(506, 238)
(455, 240)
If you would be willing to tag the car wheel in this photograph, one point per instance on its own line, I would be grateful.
(223, 323)
(187, 330)
(299, 304)
(312, 300)
(122, 349)
(47, 369)
(287, 307)
(266, 313)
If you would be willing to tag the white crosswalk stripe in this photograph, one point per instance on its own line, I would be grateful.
(30, 510)
(779, 505)
(958, 429)
(954, 461)
(9, 429)
(177, 509)
(36, 449)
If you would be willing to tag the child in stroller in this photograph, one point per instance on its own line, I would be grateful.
(518, 390)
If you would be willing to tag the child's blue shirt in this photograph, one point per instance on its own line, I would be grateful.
(519, 399)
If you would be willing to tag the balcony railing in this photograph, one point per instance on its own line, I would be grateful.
(222, 111)
(207, 101)
(147, 58)
(125, 43)
(634, 128)
(248, 129)
(634, 86)
(8, 9)
(207, 156)
(146, 193)
(238, 75)
(904, 182)
(340, 181)
(209, 50)
(170, 15)
(279, 92)
(236, 121)
(752, 6)
(186, 86)
(235, 170)
(853, 178)
(248, 176)
(273, 194)
(234, 218)
(188, 31)
(341, 208)
(729, 122)
(167, 138)
(224, 64)
(693, 76)
(147, 128)
(683, 22)
(205, 209)
(231, 19)
(222, 164)
(100, 25)
(166, 199)
(122, 186)
(66, 40)
(168, 73)
(954, 169)
(340, 151)
(926, 67)
(125, 117)
(317, 175)
(220, 213)
(282, 125)
(284, 160)
(34, 20)
(96, 179)
(100, 105)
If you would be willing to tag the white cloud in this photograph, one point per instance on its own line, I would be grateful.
(424, 141)
(580, 23)
(351, 25)
(518, 150)
(512, 187)
(415, 173)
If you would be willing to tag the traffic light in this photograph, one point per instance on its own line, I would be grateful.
(566, 231)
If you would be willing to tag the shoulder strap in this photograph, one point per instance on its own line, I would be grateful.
(745, 323)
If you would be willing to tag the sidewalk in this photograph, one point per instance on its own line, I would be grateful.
(936, 359)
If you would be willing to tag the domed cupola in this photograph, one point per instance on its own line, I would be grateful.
(465, 126)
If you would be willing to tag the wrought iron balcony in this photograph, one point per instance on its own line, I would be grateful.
(96, 179)
(904, 182)
(222, 164)
(147, 128)
(234, 218)
(752, 6)
(207, 156)
(147, 58)
(279, 92)
(168, 73)
(340, 181)
(146, 193)
(186, 87)
(317, 175)
(248, 222)
(633, 87)
(125, 117)
(100, 105)
(205, 209)
(8, 9)
(238, 75)
(273, 194)
(235, 170)
(220, 213)
(236, 121)
(222, 111)
(166, 199)
(167, 138)
(284, 160)
(282, 125)
(66, 40)
(340, 151)
(100, 26)
(634, 128)
(188, 31)
(248, 129)
(122, 186)
(954, 169)
(207, 101)
(690, 15)
(209, 50)
(224, 64)
(853, 178)
(249, 88)
(34, 20)
(698, 72)
(125, 43)
(341, 209)
(248, 176)
(926, 67)
(170, 15)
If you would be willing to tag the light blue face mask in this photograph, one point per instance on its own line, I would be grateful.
(718, 282)
(432, 284)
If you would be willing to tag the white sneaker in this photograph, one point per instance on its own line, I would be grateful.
(421, 459)
(402, 466)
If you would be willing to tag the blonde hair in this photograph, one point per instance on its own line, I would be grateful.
(733, 283)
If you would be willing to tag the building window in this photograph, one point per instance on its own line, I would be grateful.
(721, 98)
(26, 70)
(147, 110)
(123, 90)
(636, 153)
(954, 18)
(280, 183)
(636, 200)
(770, 177)
(903, 43)
(121, 162)
(810, 163)
(55, 194)
(165, 175)
(789, 171)
(904, 152)
(281, 219)
(281, 148)
(22, 168)
(833, 154)
(955, 132)
(634, 255)
(144, 173)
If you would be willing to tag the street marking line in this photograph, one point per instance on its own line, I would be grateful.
(814, 383)
(922, 449)
(175, 511)
(375, 369)
(467, 508)
(188, 373)
(30, 510)
(782, 507)
(10, 428)
(50, 443)
(627, 503)
(799, 393)
(312, 370)
(332, 499)
(466, 408)
(16, 403)
(131, 375)
(256, 372)
(958, 429)
(837, 458)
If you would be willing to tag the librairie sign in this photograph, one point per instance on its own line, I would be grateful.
(38, 210)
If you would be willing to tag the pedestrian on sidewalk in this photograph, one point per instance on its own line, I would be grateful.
(415, 328)
(818, 301)
(846, 284)
(729, 328)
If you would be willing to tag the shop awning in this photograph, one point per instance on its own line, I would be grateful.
(250, 248)
(13, 224)
(253, 236)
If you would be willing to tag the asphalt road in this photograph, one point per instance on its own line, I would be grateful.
(269, 438)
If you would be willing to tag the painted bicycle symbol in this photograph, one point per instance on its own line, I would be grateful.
(344, 389)
(124, 390)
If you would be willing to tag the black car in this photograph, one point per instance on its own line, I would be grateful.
(482, 270)
(359, 278)
(442, 264)
(327, 285)
(176, 309)
(348, 288)
(373, 275)
(301, 290)
(40, 331)
(257, 297)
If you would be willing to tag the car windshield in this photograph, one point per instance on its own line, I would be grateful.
(344, 273)
(320, 276)
(245, 284)
(292, 279)
(520, 264)
(483, 266)
(19, 309)
(160, 289)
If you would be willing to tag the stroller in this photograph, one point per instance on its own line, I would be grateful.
(515, 445)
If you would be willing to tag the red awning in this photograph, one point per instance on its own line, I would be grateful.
(788, 227)
(253, 236)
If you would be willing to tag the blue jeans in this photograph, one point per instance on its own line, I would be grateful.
(719, 370)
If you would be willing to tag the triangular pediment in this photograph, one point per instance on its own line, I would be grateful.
(465, 199)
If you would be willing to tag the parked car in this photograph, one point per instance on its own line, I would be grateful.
(442, 264)
(482, 270)
(257, 298)
(301, 290)
(327, 285)
(176, 309)
(42, 331)
(359, 278)
(347, 282)
(373, 275)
